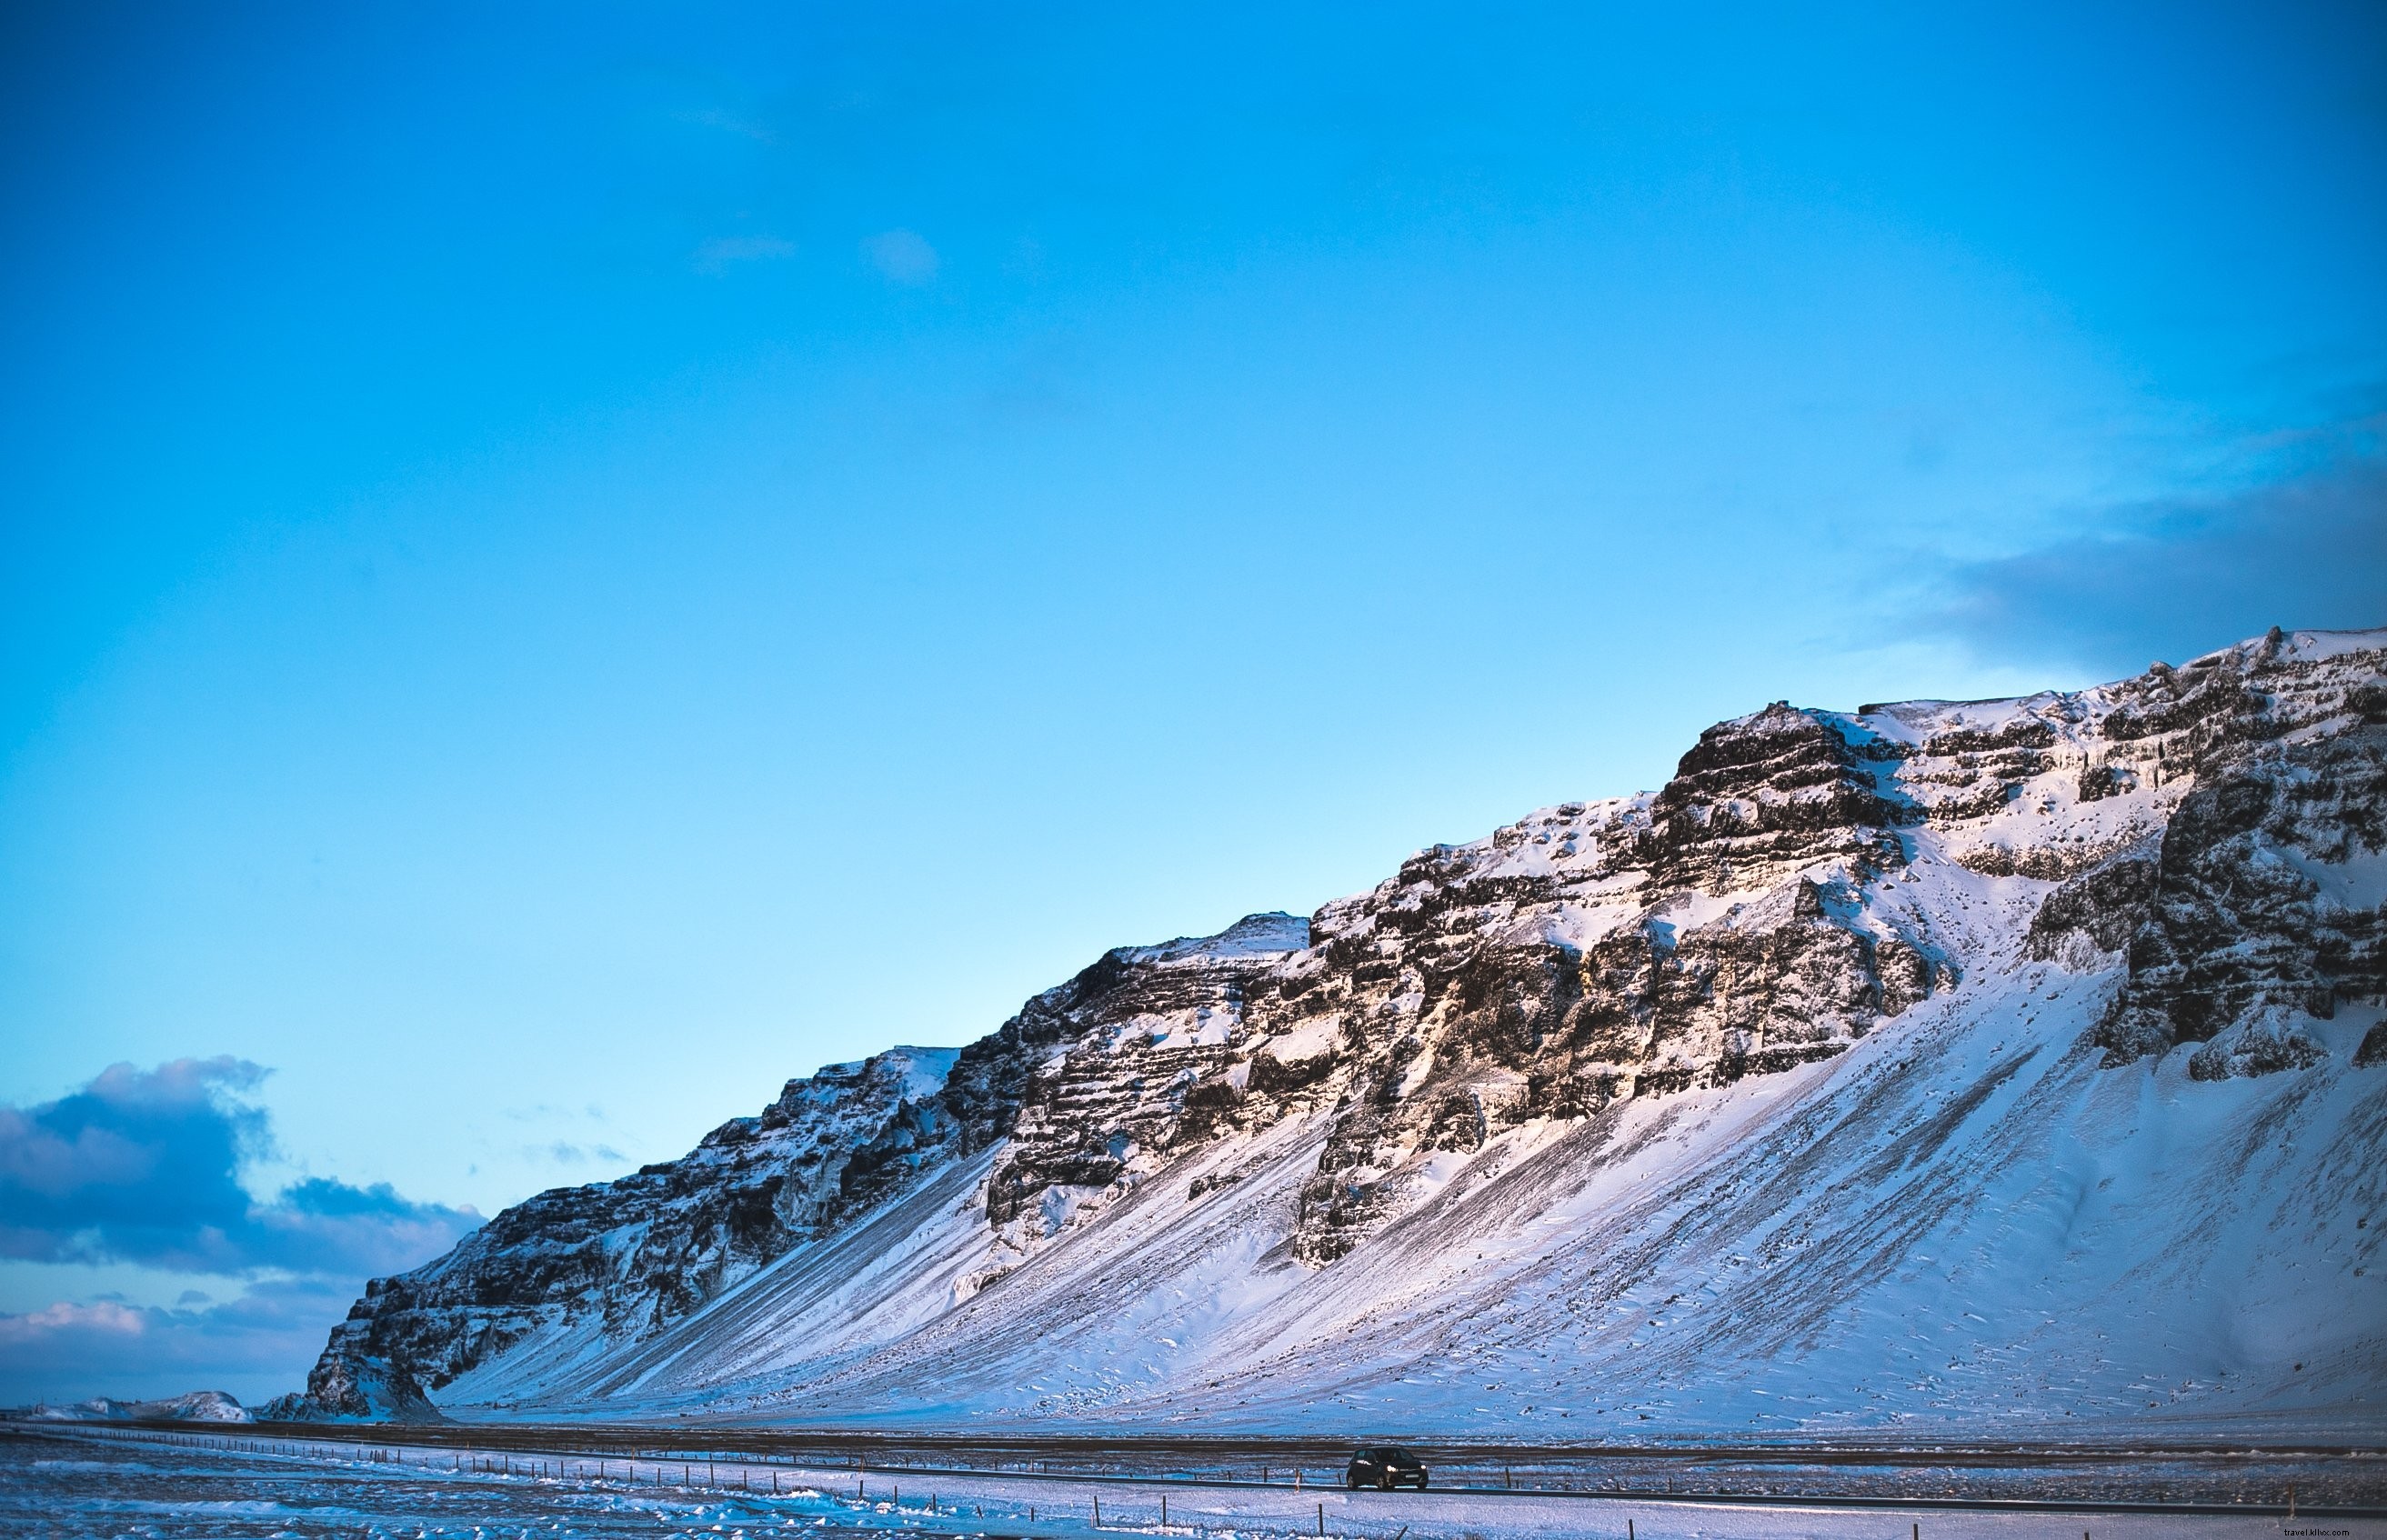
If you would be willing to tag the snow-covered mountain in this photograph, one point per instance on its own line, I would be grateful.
(1987, 1065)
(197, 1405)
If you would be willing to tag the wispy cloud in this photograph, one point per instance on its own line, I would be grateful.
(902, 256)
(721, 253)
(145, 1166)
(563, 1152)
(2175, 578)
(588, 1148)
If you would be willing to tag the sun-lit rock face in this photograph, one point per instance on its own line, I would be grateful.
(2201, 847)
(1594, 952)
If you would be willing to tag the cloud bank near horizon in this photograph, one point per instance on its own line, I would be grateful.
(145, 1168)
(253, 1345)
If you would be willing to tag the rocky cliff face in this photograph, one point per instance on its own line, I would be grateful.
(2201, 845)
(2256, 909)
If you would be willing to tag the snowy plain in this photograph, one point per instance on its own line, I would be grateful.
(76, 1483)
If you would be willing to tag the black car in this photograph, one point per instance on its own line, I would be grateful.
(1384, 1467)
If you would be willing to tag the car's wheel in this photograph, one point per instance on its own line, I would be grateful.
(1351, 1481)
(1420, 1481)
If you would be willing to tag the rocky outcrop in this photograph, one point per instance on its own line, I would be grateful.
(2097, 910)
(2209, 838)
(2263, 909)
(1770, 794)
(357, 1380)
(1139, 1031)
(1594, 953)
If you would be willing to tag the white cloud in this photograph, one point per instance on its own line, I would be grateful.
(36, 1326)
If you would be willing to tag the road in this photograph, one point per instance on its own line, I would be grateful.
(1074, 1484)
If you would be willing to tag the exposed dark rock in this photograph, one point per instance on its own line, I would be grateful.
(2255, 1048)
(2240, 924)
(1765, 794)
(1147, 1032)
(2103, 905)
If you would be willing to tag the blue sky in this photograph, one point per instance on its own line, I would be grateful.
(563, 566)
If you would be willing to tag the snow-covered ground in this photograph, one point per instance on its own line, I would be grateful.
(73, 1483)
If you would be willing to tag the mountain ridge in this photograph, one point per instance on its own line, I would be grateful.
(1801, 1014)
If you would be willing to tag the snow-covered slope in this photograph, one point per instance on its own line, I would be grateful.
(1995, 1065)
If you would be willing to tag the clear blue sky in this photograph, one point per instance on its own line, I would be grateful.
(560, 567)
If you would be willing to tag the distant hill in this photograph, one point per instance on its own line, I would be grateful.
(197, 1405)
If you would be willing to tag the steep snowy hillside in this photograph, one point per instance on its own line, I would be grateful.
(1993, 1064)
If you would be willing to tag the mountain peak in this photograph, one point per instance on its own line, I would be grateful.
(1272, 933)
